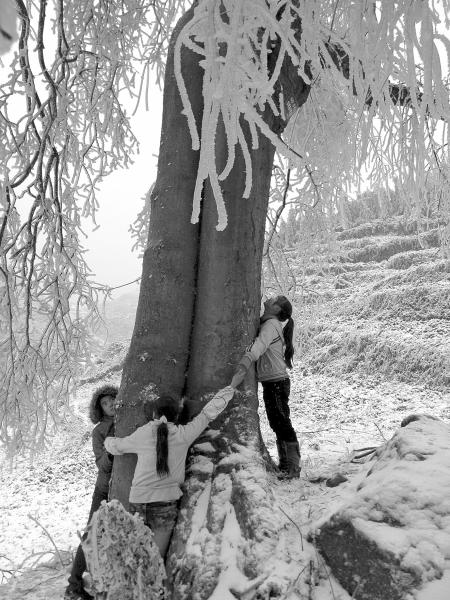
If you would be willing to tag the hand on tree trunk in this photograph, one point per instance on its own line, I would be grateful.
(238, 377)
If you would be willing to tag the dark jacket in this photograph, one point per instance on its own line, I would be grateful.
(103, 460)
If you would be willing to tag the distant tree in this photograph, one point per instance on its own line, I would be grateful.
(371, 205)
(289, 228)
(322, 82)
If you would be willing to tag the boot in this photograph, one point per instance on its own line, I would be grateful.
(72, 594)
(293, 461)
(282, 455)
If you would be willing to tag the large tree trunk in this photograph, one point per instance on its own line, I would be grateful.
(227, 478)
(198, 310)
(159, 350)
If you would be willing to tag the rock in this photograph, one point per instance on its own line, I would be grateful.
(393, 536)
(415, 417)
(122, 558)
(336, 480)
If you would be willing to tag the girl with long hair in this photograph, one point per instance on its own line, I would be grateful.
(161, 447)
(101, 413)
(272, 351)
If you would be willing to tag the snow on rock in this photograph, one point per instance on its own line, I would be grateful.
(393, 536)
(122, 558)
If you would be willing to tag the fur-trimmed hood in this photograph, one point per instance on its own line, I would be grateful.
(95, 410)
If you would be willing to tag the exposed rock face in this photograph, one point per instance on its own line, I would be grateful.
(394, 535)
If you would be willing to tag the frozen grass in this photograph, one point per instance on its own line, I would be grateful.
(420, 302)
(405, 260)
(389, 317)
(426, 273)
(388, 353)
(382, 250)
(395, 226)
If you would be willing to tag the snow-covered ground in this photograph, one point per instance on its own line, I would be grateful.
(373, 348)
(45, 503)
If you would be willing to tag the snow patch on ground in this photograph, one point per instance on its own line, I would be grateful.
(333, 416)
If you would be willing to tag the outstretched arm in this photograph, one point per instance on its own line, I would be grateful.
(239, 376)
(124, 445)
(209, 412)
(266, 336)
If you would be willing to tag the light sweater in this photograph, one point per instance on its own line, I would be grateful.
(268, 352)
(147, 485)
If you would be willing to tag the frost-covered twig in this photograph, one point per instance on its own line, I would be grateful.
(353, 63)
(321, 560)
(63, 130)
(295, 525)
(362, 453)
(49, 537)
(379, 431)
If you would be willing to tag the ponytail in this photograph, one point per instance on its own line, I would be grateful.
(162, 450)
(166, 408)
(288, 331)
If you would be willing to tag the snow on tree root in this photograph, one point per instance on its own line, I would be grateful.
(122, 558)
(393, 536)
(227, 531)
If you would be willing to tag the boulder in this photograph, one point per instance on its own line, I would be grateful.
(393, 536)
(122, 558)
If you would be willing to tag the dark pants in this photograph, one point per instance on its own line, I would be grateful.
(276, 400)
(79, 562)
(160, 517)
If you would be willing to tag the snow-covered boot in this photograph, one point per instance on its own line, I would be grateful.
(293, 461)
(282, 455)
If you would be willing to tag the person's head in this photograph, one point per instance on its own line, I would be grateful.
(281, 308)
(103, 403)
(168, 408)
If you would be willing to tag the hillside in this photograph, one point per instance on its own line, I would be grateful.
(381, 306)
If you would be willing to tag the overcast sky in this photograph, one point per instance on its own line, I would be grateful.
(120, 197)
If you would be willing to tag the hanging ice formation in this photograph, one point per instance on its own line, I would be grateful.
(382, 42)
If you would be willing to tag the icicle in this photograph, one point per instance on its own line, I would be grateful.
(248, 164)
(187, 109)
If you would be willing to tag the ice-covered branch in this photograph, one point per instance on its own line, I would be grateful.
(63, 129)
(261, 59)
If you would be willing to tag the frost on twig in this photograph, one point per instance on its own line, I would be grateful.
(259, 55)
(63, 129)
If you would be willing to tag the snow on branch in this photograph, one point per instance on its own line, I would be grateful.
(346, 53)
(63, 128)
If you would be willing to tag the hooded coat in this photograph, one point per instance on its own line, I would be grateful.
(104, 427)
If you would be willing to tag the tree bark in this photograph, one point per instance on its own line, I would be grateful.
(227, 477)
(198, 309)
(159, 350)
